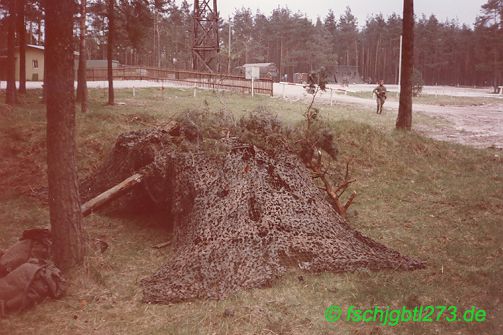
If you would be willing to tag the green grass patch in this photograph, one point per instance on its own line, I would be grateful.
(436, 201)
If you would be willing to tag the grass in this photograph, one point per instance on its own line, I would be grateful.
(436, 201)
(430, 99)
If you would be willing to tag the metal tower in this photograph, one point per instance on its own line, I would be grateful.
(205, 46)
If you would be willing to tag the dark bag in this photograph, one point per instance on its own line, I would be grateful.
(26, 276)
(34, 243)
(29, 284)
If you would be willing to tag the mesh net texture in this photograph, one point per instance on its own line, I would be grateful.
(241, 216)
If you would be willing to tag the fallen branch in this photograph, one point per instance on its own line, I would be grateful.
(162, 245)
(111, 194)
(124, 186)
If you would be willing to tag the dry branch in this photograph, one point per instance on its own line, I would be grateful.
(162, 245)
(111, 194)
(335, 192)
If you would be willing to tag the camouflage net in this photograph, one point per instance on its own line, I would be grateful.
(241, 215)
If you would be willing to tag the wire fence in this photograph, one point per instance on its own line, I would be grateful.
(185, 78)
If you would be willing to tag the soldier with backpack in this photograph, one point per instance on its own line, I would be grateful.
(380, 92)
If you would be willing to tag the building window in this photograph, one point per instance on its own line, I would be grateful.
(35, 63)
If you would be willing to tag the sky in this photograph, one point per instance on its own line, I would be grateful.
(463, 10)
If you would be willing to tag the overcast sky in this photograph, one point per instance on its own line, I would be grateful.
(463, 10)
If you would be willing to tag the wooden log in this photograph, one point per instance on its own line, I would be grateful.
(162, 245)
(122, 187)
(111, 194)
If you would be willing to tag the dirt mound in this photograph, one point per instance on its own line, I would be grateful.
(242, 215)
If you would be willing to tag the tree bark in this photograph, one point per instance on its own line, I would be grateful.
(10, 96)
(404, 119)
(21, 30)
(44, 85)
(110, 14)
(376, 73)
(64, 200)
(81, 75)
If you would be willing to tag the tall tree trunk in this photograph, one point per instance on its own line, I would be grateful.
(376, 73)
(356, 54)
(64, 201)
(81, 75)
(21, 30)
(281, 59)
(369, 64)
(364, 64)
(39, 31)
(404, 119)
(10, 96)
(495, 71)
(44, 85)
(30, 30)
(110, 14)
(385, 64)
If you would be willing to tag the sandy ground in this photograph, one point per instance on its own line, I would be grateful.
(479, 126)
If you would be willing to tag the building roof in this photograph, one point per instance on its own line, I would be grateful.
(39, 47)
(42, 48)
(258, 64)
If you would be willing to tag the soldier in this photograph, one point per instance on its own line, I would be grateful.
(380, 92)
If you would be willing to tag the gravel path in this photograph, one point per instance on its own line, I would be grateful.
(477, 126)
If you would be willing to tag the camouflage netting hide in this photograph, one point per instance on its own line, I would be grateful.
(241, 215)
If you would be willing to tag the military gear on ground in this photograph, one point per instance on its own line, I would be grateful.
(34, 243)
(26, 275)
(29, 284)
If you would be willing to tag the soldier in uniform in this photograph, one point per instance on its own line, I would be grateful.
(380, 92)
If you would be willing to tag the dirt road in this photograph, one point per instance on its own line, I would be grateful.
(479, 126)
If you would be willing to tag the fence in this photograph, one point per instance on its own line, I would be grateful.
(186, 78)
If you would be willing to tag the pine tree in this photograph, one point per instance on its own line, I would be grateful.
(404, 119)
(64, 201)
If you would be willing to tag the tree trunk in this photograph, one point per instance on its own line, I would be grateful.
(44, 85)
(64, 200)
(110, 14)
(404, 119)
(81, 76)
(495, 72)
(10, 96)
(356, 54)
(39, 31)
(21, 30)
(376, 73)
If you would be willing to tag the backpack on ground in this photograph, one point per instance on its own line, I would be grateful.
(34, 243)
(26, 275)
(29, 284)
